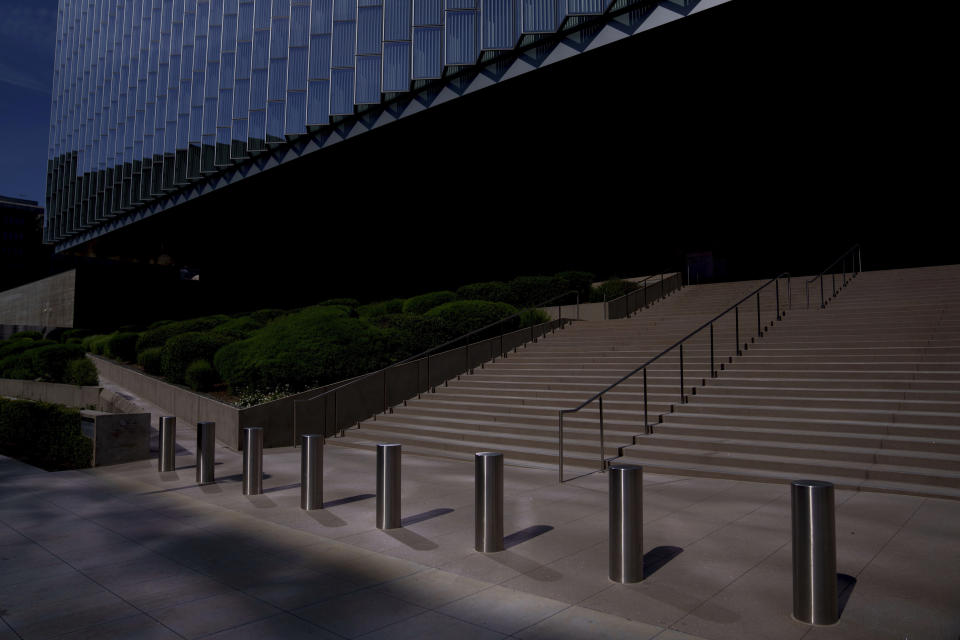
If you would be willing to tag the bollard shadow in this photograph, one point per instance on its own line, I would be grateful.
(845, 585)
(348, 500)
(524, 535)
(193, 466)
(169, 476)
(413, 540)
(282, 488)
(426, 515)
(209, 488)
(261, 502)
(657, 557)
(238, 477)
(325, 518)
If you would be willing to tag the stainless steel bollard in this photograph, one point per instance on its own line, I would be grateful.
(252, 461)
(388, 486)
(168, 444)
(488, 504)
(814, 552)
(311, 471)
(626, 523)
(206, 435)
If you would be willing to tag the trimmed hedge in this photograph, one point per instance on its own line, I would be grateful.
(181, 350)
(490, 291)
(311, 347)
(377, 309)
(423, 303)
(122, 346)
(201, 376)
(238, 328)
(340, 302)
(415, 334)
(44, 435)
(532, 317)
(47, 362)
(158, 336)
(263, 316)
(82, 372)
(33, 335)
(464, 316)
(149, 359)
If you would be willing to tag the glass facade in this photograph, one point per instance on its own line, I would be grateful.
(151, 97)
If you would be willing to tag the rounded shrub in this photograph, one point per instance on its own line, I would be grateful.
(340, 302)
(415, 334)
(464, 316)
(527, 291)
(82, 372)
(263, 316)
(238, 328)
(181, 350)
(427, 301)
(96, 344)
(13, 346)
(50, 361)
(33, 335)
(158, 336)
(308, 348)
(490, 291)
(70, 334)
(122, 346)
(377, 309)
(580, 281)
(201, 376)
(149, 359)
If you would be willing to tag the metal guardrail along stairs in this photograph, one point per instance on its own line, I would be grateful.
(864, 393)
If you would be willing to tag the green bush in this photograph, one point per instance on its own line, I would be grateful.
(464, 316)
(415, 334)
(33, 335)
(44, 435)
(381, 308)
(158, 336)
(149, 359)
(263, 316)
(532, 317)
(580, 281)
(12, 346)
(612, 288)
(527, 291)
(122, 346)
(427, 301)
(181, 350)
(96, 344)
(238, 328)
(490, 291)
(311, 347)
(82, 372)
(74, 334)
(201, 376)
(340, 302)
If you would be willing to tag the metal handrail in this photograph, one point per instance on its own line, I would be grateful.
(642, 288)
(426, 354)
(708, 324)
(856, 267)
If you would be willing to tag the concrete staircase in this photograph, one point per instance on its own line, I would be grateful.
(511, 405)
(864, 393)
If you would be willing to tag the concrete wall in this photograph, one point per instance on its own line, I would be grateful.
(66, 394)
(187, 406)
(45, 303)
(118, 437)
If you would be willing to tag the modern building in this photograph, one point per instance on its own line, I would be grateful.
(287, 139)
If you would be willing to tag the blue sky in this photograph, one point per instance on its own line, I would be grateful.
(27, 41)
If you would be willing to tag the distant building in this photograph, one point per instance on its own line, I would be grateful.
(22, 255)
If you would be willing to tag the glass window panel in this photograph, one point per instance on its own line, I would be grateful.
(343, 43)
(275, 117)
(397, 19)
(499, 25)
(427, 52)
(299, 25)
(319, 56)
(318, 102)
(368, 80)
(427, 12)
(296, 113)
(396, 66)
(341, 92)
(462, 45)
(369, 30)
(297, 69)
